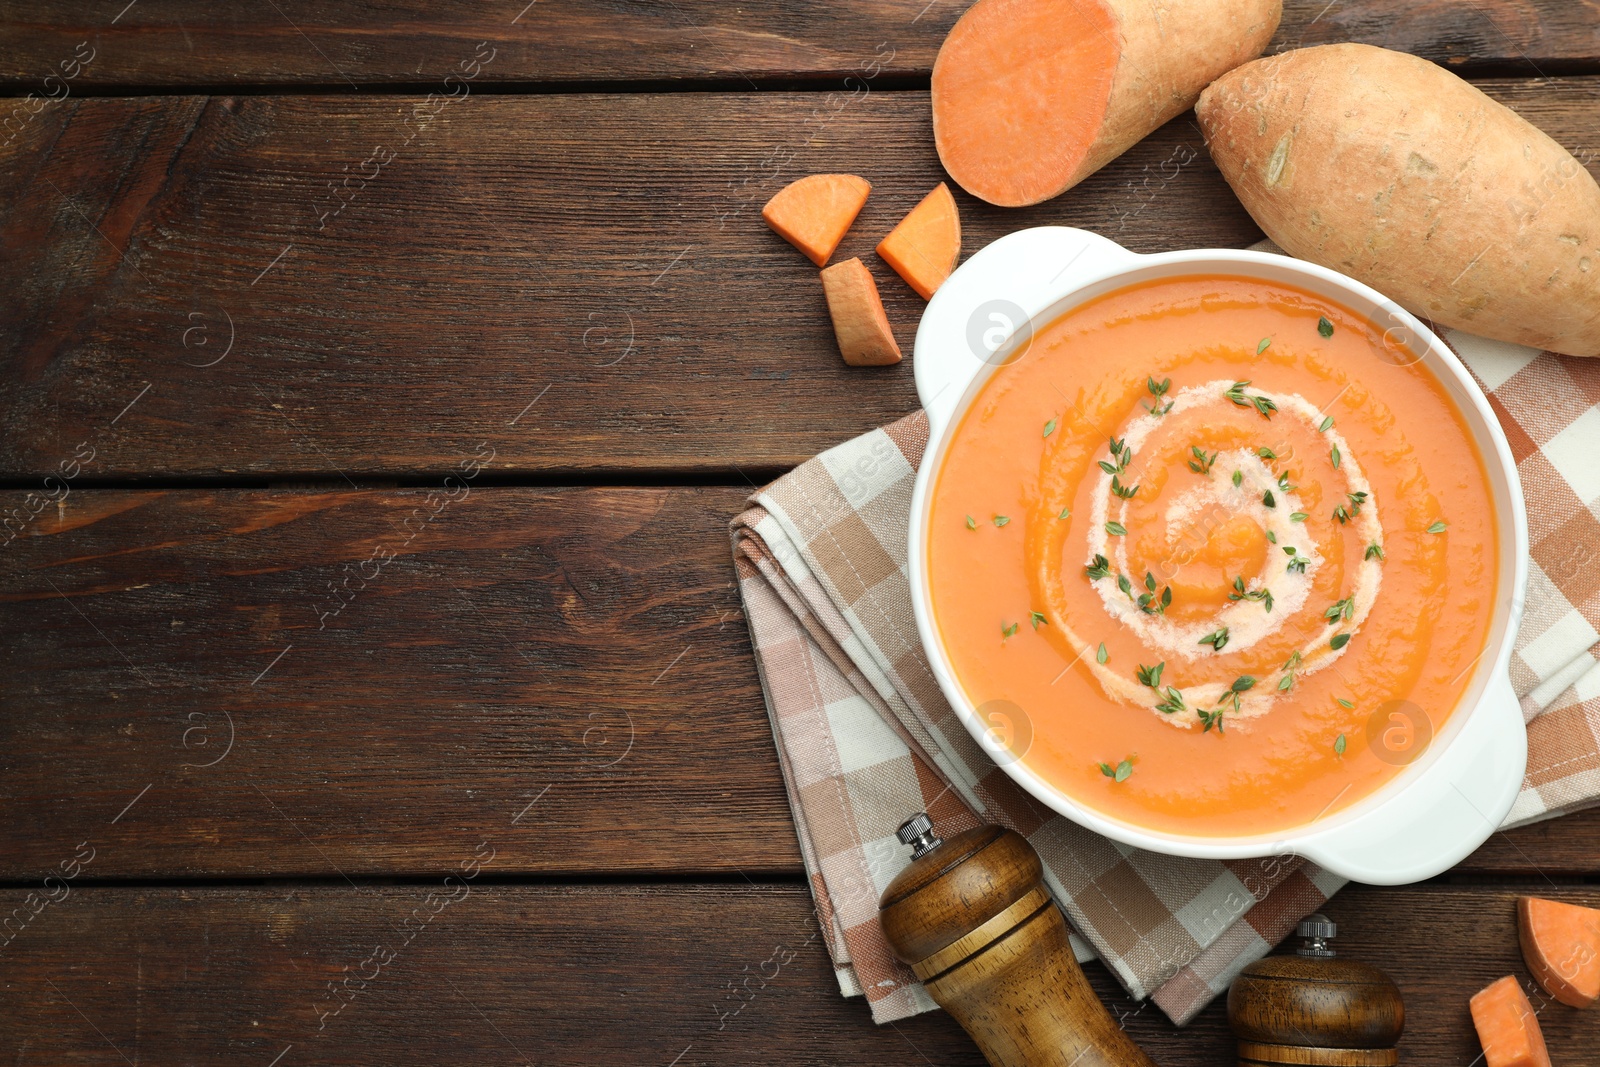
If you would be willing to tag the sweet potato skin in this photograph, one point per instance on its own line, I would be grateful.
(1398, 173)
(1559, 943)
(1166, 51)
(859, 323)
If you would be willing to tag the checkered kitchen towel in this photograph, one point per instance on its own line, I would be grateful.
(865, 737)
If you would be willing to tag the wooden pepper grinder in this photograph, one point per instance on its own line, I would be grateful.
(1313, 1009)
(973, 919)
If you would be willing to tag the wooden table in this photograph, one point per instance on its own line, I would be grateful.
(378, 384)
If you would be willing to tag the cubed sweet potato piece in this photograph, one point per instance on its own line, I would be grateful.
(1561, 943)
(865, 339)
(813, 213)
(1507, 1027)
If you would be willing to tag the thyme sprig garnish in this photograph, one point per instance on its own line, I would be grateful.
(1283, 483)
(1151, 676)
(1201, 463)
(1125, 585)
(1238, 479)
(1297, 562)
(1262, 595)
(1290, 665)
(1149, 603)
(1344, 610)
(1007, 631)
(1121, 452)
(1001, 520)
(1263, 404)
(1338, 641)
(1439, 527)
(1049, 428)
(1338, 745)
(1324, 327)
(1159, 391)
(1327, 424)
(1374, 551)
(1038, 619)
(1124, 491)
(1173, 702)
(1333, 454)
(1098, 568)
(1102, 655)
(1268, 499)
(1266, 453)
(1345, 514)
(1120, 772)
(1217, 639)
(1299, 516)
(1242, 684)
(1116, 529)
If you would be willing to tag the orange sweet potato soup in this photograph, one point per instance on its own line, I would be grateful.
(1228, 547)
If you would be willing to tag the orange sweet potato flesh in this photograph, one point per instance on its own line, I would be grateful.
(814, 212)
(1561, 944)
(859, 323)
(924, 247)
(1032, 96)
(1507, 1027)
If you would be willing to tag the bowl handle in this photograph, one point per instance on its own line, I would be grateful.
(994, 294)
(1439, 819)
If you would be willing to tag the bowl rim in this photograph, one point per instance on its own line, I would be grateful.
(1128, 269)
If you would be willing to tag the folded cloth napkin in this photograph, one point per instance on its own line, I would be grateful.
(865, 737)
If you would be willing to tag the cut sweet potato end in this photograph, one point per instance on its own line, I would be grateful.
(924, 247)
(814, 212)
(1507, 1027)
(1020, 93)
(1561, 944)
(859, 323)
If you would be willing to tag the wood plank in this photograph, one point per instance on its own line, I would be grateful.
(600, 974)
(581, 281)
(547, 667)
(190, 43)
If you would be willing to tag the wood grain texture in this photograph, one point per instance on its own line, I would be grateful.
(582, 650)
(581, 281)
(295, 42)
(601, 974)
(566, 670)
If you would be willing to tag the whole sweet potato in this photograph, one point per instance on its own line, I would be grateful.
(1396, 172)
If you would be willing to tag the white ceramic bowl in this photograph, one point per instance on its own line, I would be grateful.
(1435, 811)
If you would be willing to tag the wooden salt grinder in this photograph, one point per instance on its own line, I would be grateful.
(1314, 1010)
(973, 919)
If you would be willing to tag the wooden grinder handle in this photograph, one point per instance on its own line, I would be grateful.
(973, 919)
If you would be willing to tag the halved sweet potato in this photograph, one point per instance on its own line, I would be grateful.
(813, 213)
(1561, 944)
(1507, 1027)
(865, 339)
(924, 247)
(1032, 96)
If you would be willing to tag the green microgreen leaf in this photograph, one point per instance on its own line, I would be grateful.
(1338, 745)
(1327, 424)
(1333, 454)
(1339, 641)
(1066, 513)
(1102, 655)
(1262, 347)
(1001, 520)
(1124, 769)
(1268, 499)
(972, 524)
(1116, 529)
(1324, 327)
(1439, 527)
(1299, 516)
(1049, 428)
